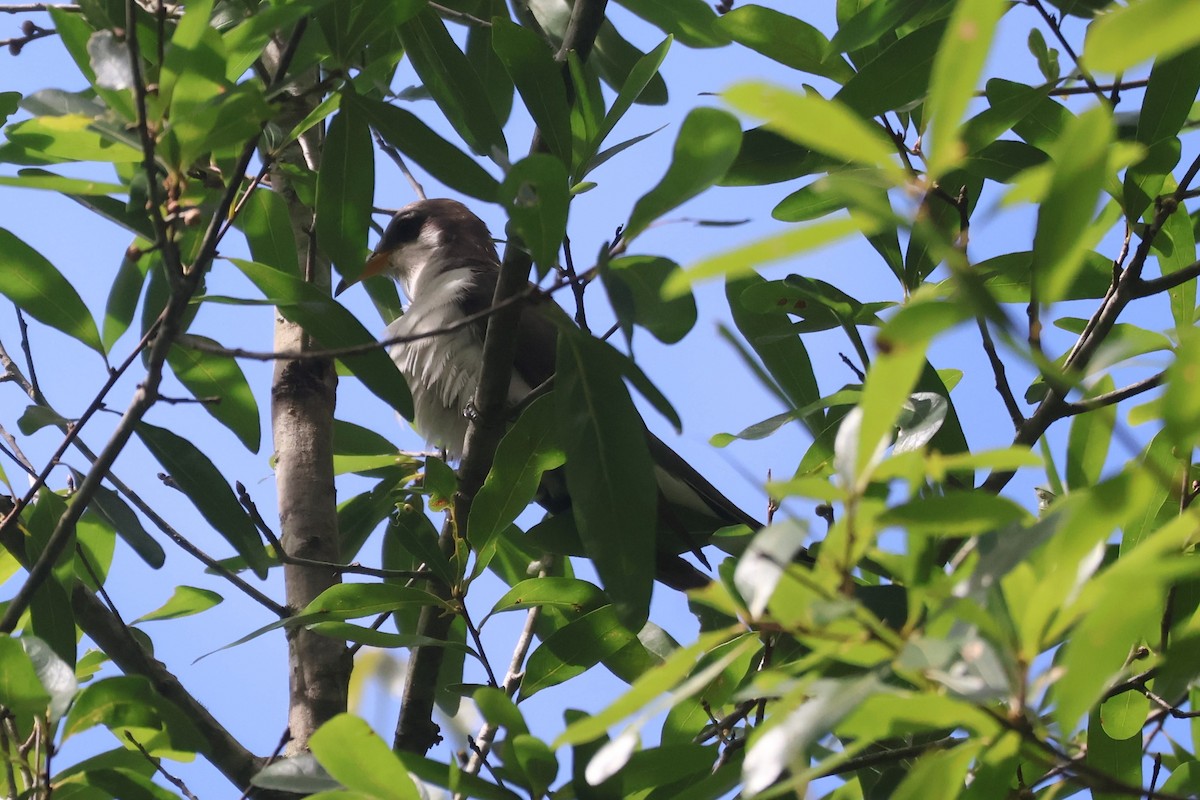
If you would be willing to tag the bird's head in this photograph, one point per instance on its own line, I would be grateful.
(433, 234)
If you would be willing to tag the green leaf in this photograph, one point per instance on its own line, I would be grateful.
(244, 41)
(898, 76)
(412, 137)
(1008, 104)
(1119, 756)
(264, 221)
(20, 689)
(70, 137)
(800, 724)
(452, 82)
(783, 353)
(344, 601)
(863, 25)
(534, 193)
(692, 22)
(191, 50)
(707, 144)
(126, 289)
(1087, 444)
(956, 69)
(766, 157)
(966, 513)
(37, 417)
(609, 472)
(358, 31)
(1181, 400)
(32, 282)
(199, 479)
(825, 126)
(56, 675)
(616, 60)
(41, 179)
(218, 383)
(1066, 213)
(132, 702)
(536, 760)
(345, 191)
(499, 710)
(354, 755)
(573, 649)
(333, 326)
(569, 594)
(1170, 95)
(742, 261)
(120, 516)
(786, 39)
(1141, 31)
(1047, 57)
(525, 452)
(209, 125)
(9, 103)
(1120, 604)
(640, 76)
(184, 602)
(540, 81)
(635, 289)
(486, 63)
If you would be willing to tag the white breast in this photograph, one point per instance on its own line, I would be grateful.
(442, 370)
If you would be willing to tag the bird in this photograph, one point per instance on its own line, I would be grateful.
(445, 260)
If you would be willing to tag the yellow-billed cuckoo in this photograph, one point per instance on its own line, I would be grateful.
(446, 262)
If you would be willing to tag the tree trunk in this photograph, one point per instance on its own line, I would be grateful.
(303, 395)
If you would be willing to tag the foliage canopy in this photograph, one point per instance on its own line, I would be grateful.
(955, 634)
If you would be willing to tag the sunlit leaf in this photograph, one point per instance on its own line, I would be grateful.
(184, 602)
(1068, 209)
(956, 68)
(1135, 33)
(786, 39)
(356, 756)
(829, 127)
(708, 142)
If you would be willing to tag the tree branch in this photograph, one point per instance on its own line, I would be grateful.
(1115, 396)
(1002, 385)
(1126, 286)
(1145, 288)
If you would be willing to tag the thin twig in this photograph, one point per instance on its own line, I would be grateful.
(210, 563)
(176, 782)
(284, 558)
(483, 659)
(1002, 385)
(577, 286)
(1145, 288)
(530, 294)
(27, 8)
(74, 428)
(35, 390)
(460, 16)
(512, 681)
(399, 161)
(1115, 396)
